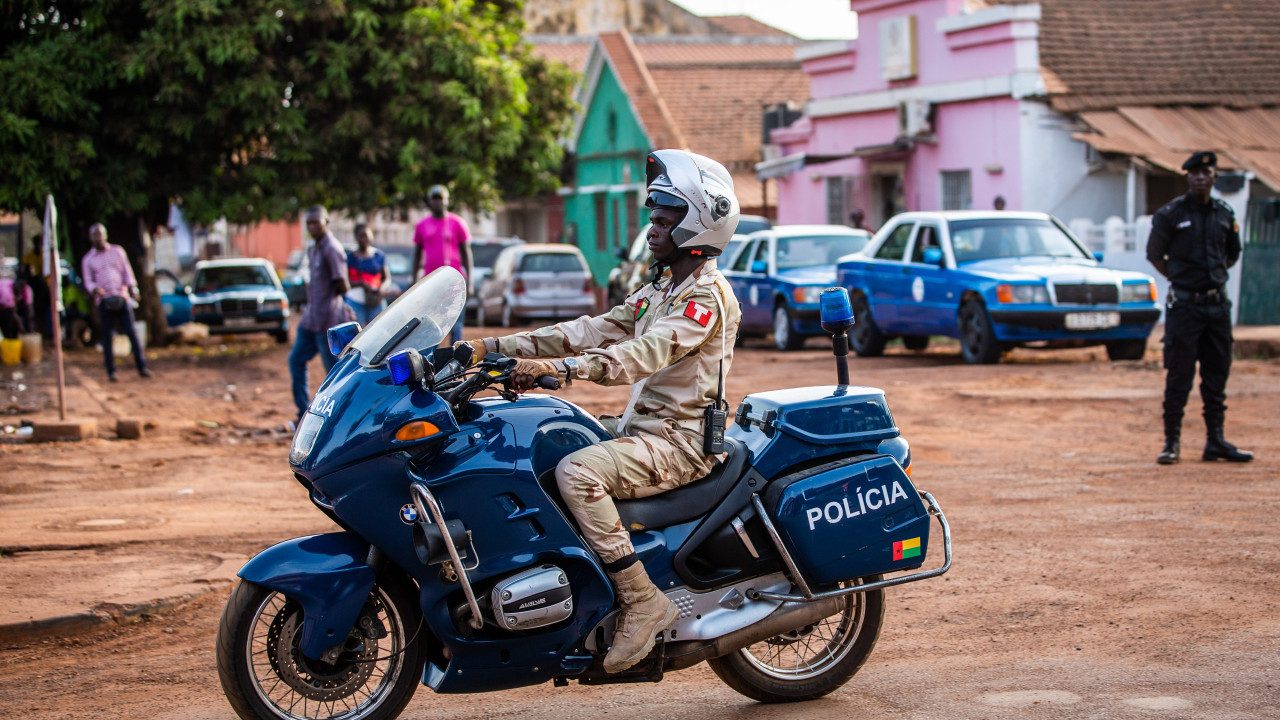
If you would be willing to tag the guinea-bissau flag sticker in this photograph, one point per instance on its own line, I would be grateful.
(904, 549)
(641, 307)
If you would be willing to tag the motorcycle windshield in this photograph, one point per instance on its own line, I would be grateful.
(419, 319)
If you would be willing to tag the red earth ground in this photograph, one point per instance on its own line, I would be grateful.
(1088, 581)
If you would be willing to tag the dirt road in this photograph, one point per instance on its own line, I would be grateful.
(1088, 581)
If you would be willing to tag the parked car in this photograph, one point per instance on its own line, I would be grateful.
(779, 274)
(400, 263)
(995, 280)
(241, 295)
(297, 274)
(175, 298)
(484, 252)
(536, 280)
(633, 270)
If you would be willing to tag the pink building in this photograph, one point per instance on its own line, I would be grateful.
(1079, 108)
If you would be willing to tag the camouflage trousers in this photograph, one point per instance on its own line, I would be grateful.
(627, 467)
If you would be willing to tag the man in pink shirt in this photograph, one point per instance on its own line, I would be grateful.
(110, 282)
(441, 239)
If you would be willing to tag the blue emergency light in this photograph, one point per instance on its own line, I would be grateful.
(339, 336)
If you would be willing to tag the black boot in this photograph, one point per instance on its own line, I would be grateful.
(1216, 447)
(1169, 455)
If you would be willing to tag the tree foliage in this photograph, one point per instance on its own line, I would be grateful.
(250, 109)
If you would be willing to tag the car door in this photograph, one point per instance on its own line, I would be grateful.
(742, 280)
(175, 298)
(886, 278)
(926, 308)
(759, 312)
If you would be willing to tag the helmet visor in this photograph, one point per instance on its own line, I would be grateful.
(658, 199)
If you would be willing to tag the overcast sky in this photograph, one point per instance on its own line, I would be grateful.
(809, 19)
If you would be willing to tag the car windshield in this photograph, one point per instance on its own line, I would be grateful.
(484, 253)
(550, 262)
(419, 319)
(748, 225)
(988, 239)
(399, 263)
(809, 250)
(216, 278)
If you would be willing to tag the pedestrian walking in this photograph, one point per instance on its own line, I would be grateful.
(1194, 240)
(326, 305)
(110, 282)
(441, 239)
(368, 274)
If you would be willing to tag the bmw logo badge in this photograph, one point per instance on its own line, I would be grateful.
(408, 514)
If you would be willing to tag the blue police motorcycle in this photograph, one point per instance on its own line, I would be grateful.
(459, 567)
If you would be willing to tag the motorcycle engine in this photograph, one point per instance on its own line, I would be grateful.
(532, 598)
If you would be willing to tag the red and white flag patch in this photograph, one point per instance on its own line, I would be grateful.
(698, 313)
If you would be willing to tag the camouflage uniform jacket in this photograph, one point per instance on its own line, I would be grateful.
(664, 341)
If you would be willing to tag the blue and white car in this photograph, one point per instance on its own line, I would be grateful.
(779, 273)
(994, 280)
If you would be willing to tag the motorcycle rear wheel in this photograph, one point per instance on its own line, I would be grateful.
(265, 676)
(808, 662)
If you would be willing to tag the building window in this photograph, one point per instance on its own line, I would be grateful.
(836, 200)
(955, 190)
(602, 224)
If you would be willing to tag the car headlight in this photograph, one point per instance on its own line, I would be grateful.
(807, 294)
(1022, 294)
(305, 438)
(272, 305)
(204, 309)
(1138, 292)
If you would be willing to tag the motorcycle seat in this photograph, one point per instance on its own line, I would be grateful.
(690, 501)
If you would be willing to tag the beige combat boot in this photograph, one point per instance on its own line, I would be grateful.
(645, 613)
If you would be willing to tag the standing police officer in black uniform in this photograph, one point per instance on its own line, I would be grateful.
(1194, 239)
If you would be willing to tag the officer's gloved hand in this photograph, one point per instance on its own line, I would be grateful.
(476, 349)
(527, 372)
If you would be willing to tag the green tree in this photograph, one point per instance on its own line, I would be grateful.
(253, 110)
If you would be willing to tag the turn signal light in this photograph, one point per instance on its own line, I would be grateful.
(416, 430)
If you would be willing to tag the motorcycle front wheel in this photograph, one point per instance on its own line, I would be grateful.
(265, 676)
(810, 661)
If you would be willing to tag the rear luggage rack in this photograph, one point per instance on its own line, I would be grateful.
(807, 595)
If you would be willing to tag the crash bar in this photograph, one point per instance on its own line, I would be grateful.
(421, 496)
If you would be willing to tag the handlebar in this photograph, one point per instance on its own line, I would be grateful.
(546, 382)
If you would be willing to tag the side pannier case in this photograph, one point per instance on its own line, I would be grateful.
(846, 520)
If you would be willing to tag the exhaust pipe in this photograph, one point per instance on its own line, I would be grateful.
(787, 617)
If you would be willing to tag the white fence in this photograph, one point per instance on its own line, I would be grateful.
(1124, 247)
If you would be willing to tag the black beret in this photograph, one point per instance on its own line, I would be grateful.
(1204, 158)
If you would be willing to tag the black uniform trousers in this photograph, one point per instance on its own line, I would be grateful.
(1196, 333)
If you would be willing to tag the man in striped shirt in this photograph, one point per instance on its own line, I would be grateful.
(110, 281)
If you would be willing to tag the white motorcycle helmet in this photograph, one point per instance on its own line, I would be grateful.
(702, 188)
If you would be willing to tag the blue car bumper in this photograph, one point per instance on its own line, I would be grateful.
(1031, 325)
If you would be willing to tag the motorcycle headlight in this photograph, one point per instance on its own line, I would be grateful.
(1022, 294)
(807, 294)
(305, 437)
(1138, 292)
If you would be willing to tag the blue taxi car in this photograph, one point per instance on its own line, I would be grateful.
(994, 280)
(779, 273)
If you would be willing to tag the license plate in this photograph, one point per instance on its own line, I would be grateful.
(1092, 321)
(235, 322)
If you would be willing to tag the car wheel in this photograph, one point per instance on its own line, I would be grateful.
(978, 341)
(281, 336)
(915, 342)
(507, 316)
(1127, 349)
(867, 340)
(784, 336)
